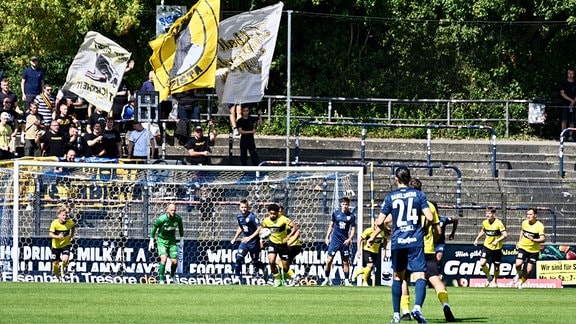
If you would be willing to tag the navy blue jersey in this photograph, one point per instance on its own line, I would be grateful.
(342, 223)
(444, 220)
(405, 205)
(249, 224)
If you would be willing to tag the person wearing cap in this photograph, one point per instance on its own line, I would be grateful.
(32, 82)
(198, 145)
(5, 136)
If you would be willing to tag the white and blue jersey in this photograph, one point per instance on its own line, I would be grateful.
(342, 222)
(405, 205)
(249, 224)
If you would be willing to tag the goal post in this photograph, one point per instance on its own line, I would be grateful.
(115, 204)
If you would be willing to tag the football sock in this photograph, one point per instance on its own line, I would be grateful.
(442, 297)
(173, 269)
(405, 304)
(56, 269)
(161, 272)
(366, 273)
(420, 291)
(486, 270)
(64, 267)
(496, 275)
(346, 274)
(396, 295)
(290, 274)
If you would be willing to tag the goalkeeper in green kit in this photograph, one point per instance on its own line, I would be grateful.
(166, 225)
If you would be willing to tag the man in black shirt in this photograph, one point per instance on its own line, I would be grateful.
(199, 145)
(246, 126)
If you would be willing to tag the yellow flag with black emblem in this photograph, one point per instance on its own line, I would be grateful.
(185, 57)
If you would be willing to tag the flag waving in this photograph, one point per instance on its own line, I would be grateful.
(185, 57)
(97, 70)
(245, 48)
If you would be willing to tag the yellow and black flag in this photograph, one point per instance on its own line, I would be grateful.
(185, 57)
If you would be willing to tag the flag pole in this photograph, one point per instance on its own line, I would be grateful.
(288, 75)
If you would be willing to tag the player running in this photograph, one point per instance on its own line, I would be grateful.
(496, 233)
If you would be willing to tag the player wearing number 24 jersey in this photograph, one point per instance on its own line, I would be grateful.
(401, 210)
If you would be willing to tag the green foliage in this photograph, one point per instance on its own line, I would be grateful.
(363, 48)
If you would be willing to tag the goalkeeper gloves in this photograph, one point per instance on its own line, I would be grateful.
(151, 244)
(181, 242)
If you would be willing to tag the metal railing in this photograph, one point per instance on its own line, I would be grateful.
(428, 142)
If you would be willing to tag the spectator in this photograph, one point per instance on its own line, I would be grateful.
(13, 121)
(119, 101)
(157, 137)
(127, 116)
(74, 141)
(148, 85)
(53, 143)
(32, 82)
(198, 146)
(111, 140)
(97, 117)
(45, 103)
(140, 142)
(568, 93)
(74, 103)
(65, 120)
(235, 114)
(94, 146)
(5, 92)
(188, 107)
(33, 128)
(246, 126)
(5, 136)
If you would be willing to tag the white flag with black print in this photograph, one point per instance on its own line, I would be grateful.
(97, 70)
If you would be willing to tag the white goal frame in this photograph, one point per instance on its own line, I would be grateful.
(18, 203)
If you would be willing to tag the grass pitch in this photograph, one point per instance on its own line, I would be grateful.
(110, 303)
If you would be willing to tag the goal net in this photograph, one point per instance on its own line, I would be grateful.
(115, 204)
